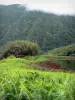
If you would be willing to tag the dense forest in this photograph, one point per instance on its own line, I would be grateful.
(47, 29)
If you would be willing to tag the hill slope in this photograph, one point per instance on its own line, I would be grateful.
(68, 50)
(49, 30)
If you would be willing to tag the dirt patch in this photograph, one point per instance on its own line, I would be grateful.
(49, 65)
(53, 66)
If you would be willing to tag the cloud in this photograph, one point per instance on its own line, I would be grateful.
(55, 6)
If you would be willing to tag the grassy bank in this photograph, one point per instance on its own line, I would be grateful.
(68, 50)
(20, 81)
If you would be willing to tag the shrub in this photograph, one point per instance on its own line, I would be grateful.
(20, 48)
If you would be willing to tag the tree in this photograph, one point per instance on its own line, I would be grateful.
(20, 48)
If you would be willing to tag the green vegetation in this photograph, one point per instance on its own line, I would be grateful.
(19, 81)
(48, 30)
(23, 78)
(63, 51)
(36, 58)
(20, 48)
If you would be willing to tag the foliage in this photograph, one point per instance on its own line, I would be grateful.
(36, 58)
(68, 50)
(20, 48)
(48, 30)
(17, 82)
(21, 78)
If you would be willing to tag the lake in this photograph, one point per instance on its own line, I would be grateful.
(65, 64)
(60, 62)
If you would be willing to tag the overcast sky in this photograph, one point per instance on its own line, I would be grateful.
(55, 6)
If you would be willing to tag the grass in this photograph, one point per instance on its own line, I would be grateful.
(20, 81)
(36, 58)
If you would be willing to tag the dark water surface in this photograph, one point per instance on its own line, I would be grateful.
(65, 64)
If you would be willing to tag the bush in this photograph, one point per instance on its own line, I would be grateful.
(20, 48)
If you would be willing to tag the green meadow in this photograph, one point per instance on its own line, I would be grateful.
(22, 79)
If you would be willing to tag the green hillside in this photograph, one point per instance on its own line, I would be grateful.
(68, 50)
(48, 30)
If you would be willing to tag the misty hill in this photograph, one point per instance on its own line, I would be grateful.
(48, 30)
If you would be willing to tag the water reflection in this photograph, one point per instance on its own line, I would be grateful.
(66, 64)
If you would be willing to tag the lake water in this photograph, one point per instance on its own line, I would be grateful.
(65, 64)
